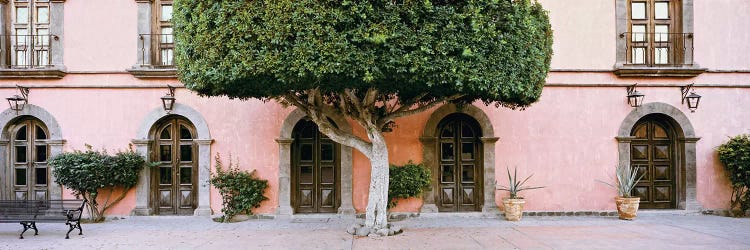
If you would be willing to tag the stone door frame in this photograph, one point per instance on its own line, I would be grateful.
(430, 153)
(285, 164)
(202, 140)
(685, 149)
(54, 141)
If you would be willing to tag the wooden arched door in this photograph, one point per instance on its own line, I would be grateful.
(460, 187)
(29, 153)
(315, 171)
(652, 152)
(174, 181)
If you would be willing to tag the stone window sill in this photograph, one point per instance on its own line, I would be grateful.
(646, 71)
(152, 72)
(54, 72)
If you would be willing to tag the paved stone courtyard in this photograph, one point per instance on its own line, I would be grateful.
(455, 231)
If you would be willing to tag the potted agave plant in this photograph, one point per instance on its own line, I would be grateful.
(625, 179)
(514, 204)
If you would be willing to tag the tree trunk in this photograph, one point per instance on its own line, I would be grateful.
(376, 216)
(96, 215)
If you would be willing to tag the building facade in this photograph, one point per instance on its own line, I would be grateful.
(96, 71)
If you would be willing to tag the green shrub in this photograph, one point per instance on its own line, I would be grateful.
(240, 190)
(735, 155)
(407, 181)
(90, 172)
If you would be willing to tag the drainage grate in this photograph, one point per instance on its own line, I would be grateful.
(310, 220)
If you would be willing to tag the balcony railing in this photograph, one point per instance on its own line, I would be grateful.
(27, 51)
(659, 49)
(157, 50)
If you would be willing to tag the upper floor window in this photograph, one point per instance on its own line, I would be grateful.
(163, 27)
(155, 39)
(655, 36)
(30, 34)
(31, 46)
(653, 40)
(160, 48)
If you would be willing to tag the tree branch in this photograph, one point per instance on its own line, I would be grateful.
(319, 112)
(370, 98)
(354, 101)
(407, 110)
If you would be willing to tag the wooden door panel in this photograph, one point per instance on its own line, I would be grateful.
(447, 197)
(327, 175)
(643, 170)
(661, 152)
(174, 183)
(662, 193)
(327, 200)
(468, 196)
(643, 192)
(662, 173)
(459, 178)
(21, 195)
(29, 175)
(306, 175)
(651, 154)
(165, 200)
(447, 175)
(306, 198)
(40, 194)
(315, 177)
(186, 198)
(467, 174)
(639, 152)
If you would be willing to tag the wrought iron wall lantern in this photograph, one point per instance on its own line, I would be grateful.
(635, 98)
(168, 99)
(692, 100)
(18, 102)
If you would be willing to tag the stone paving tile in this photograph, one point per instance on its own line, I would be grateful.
(428, 232)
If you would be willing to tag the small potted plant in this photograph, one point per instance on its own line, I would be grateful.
(514, 204)
(625, 179)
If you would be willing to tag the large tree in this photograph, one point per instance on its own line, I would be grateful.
(369, 61)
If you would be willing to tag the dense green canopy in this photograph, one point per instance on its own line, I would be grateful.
(496, 51)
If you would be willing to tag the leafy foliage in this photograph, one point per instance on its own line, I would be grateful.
(514, 185)
(240, 190)
(735, 155)
(369, 61)
(625, 179)
(90, 172)
(407, 181)
(494, 51)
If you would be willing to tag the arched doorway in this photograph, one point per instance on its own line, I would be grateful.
(653, 153)
(29, 152)
(460, 178)
(315, 170)
(661, 134)
(174, 181)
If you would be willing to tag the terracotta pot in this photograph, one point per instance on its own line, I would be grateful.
(513, 208)
(627, 207)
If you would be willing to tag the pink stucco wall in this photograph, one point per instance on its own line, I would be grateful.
(566, 140)
(585, 35)
(100, 35)
(721, 34)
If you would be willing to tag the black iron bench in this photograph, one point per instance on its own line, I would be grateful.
(29, 212)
